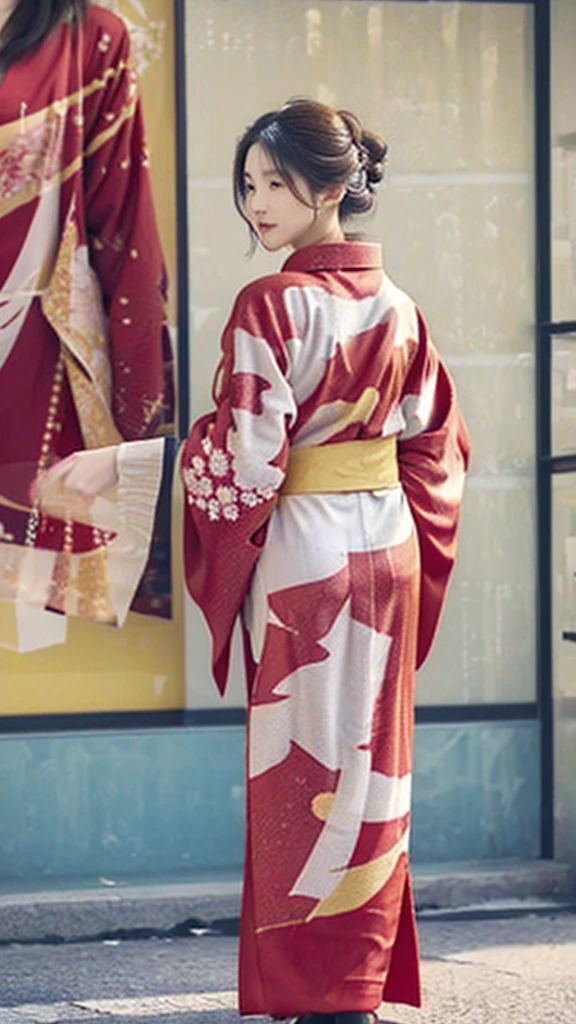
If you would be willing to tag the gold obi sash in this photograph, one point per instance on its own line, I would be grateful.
(345, 466)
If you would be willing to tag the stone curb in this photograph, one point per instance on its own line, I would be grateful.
(183, 908)
(449, 887)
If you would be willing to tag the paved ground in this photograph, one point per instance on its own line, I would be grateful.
(511, 970)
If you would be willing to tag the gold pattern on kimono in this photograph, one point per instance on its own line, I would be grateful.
(97, 425)
(124, 115)
(72, 305)
(361, 883)
(322, 804)
(151, 408)
(92, 586)
(60, 583)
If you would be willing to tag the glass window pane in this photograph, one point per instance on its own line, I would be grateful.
(564, 653)
(563, 129)
(564, 394)
(450, 86)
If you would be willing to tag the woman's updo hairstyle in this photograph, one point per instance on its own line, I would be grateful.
(326, 147)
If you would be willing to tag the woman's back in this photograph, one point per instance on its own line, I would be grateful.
(354, 337)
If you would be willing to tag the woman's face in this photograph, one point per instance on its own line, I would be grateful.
(277, 216)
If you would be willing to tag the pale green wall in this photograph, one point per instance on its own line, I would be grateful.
(167, 802)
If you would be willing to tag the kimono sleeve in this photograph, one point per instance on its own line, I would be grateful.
(233, 467)
(123, 238)
(433, 454)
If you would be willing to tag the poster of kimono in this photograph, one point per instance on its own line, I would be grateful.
(95, 668)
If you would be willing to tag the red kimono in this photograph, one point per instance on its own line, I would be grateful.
(84, 346)
(340, 596)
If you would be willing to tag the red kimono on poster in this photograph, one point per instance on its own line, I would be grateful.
(84, 346)
(340, 596)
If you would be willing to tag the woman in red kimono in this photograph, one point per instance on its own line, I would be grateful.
(84, 346)
(323, 496)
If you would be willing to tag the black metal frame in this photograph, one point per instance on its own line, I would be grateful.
(441, 714)
(543, 420)
(183, 355)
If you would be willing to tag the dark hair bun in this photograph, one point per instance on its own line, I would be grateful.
(372, 150)
(376, 150)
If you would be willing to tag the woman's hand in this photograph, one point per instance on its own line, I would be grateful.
(69, 487)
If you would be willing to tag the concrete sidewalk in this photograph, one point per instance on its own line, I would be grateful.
(499, 970)
(84, 912)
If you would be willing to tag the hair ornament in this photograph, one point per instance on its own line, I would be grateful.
(358, 181)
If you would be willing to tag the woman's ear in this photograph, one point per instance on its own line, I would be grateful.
(332, 196)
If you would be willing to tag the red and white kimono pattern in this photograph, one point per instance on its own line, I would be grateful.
(340, 595)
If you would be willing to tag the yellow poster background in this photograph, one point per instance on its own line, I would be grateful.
(139, 667)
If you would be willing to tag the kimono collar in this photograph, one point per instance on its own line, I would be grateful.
(336, 256)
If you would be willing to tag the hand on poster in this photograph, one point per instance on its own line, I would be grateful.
(67, 490)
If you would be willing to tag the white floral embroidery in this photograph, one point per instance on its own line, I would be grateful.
(249, 498)
(205, 487)
(219, 462)
(199, 487)
(213, 487)
(213, 510)
(231, 512)
(226, 495)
